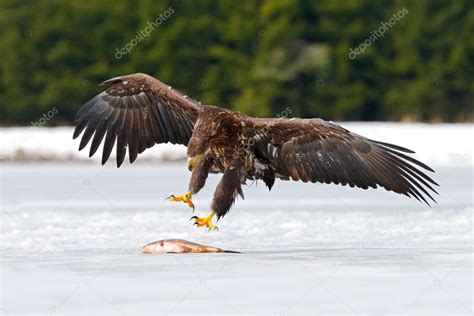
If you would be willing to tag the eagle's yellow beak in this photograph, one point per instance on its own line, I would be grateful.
(192, 162)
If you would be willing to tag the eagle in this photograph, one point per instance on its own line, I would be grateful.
(137, 111)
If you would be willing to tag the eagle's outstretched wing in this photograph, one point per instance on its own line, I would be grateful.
(135, 111)
(319, 151)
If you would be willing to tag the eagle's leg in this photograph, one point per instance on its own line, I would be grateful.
(200, 167)
(224, 196)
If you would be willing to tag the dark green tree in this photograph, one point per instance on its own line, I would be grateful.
(258, 57)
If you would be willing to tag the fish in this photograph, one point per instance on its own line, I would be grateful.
(180, 246)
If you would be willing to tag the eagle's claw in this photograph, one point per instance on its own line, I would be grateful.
(185, 198)
(205, 221)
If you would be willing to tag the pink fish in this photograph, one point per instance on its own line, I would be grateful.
(180, 246)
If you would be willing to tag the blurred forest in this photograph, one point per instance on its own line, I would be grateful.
(258, 57)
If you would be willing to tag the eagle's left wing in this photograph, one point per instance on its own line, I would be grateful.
(136, 112)
(319, 151)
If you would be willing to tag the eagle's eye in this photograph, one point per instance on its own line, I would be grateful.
(162, 244)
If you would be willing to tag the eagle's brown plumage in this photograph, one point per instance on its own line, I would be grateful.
(137, 111)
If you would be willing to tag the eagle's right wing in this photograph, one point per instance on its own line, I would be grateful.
(135, 111)
(319, 151)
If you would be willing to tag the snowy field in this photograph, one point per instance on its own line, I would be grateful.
(71, 234)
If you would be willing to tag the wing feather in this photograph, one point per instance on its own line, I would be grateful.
(98, 136)
(121, 147)
(89, 132)
(109, 143)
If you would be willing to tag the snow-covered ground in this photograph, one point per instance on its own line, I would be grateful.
(34, 143)
(71, 233)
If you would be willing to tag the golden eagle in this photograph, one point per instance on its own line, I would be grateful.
(138, 111)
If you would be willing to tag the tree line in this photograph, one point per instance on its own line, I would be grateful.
(339, 60)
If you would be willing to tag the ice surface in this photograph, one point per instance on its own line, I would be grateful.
(71, 236)
(71, 233)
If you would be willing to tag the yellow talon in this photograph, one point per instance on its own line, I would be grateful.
(205, 221)
(186, 198)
